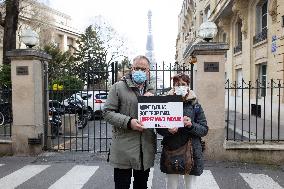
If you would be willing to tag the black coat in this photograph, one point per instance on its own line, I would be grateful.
(199, 128)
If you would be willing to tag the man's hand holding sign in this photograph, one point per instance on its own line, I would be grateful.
(134, 123)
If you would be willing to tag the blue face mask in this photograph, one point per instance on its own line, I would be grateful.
(139, 77)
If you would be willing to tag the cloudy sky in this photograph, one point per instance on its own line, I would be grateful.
(129, 18)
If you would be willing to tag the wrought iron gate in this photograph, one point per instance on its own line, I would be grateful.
(74, 121)
(6, 116)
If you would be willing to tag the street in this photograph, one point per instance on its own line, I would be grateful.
(88, 170)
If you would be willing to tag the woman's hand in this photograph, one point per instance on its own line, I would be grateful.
(187, 121)
(173, 130)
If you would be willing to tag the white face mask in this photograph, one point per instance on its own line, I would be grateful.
(181, 90)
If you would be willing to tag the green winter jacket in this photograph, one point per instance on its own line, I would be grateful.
(127, 144)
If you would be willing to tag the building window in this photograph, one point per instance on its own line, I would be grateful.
(224, 37)
(239, 74)
(262, 71)
(238, 46)
(261, 22)
(264, 16)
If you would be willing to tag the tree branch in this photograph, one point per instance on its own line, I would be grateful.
(2, 22)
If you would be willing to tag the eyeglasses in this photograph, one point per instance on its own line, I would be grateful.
(140, 68)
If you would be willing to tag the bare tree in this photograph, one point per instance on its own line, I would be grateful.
(39, 19)
(35, 16)
(115, 45)
(10, 25)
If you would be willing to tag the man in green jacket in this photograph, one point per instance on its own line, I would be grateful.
(133, 147)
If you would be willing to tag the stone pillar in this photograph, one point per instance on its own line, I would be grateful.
(28, 100)
(209, 86)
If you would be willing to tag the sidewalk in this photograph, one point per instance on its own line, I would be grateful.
(253, 128)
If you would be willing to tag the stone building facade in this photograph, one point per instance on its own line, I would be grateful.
(51, 25)
(254, 30)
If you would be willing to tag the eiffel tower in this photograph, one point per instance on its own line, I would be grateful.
(150, 45)
(154, 80)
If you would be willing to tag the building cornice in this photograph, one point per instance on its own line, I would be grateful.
(28, 53)
(56, 26)
(219, 8)
(49, 9)
(205, 48)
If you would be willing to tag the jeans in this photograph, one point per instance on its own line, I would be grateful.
(122, 178)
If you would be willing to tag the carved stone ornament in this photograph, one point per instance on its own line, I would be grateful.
(272, 9)
(224, 23)
(240, 7)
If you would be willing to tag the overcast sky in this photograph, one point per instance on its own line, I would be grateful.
(129, 18)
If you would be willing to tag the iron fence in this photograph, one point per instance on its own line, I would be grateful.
(84, 129)
(254, 111)
(6, 117)
(74, 109)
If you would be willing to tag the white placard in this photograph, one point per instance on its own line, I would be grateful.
(161, 115)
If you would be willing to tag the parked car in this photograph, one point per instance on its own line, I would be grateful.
(94, 100)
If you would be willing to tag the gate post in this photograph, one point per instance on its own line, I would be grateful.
(27, 75)
(209, 87)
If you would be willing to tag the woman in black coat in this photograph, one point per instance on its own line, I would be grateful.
(195, 127)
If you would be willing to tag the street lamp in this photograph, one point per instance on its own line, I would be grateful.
(208, 30)
(29, 37)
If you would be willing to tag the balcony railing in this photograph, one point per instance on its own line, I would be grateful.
(238, 48)
(260, 36)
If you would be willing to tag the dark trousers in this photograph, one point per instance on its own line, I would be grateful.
(122, 178)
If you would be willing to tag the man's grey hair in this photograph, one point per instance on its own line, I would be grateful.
(141, 57)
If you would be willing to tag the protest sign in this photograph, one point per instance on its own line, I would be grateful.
(160, 111)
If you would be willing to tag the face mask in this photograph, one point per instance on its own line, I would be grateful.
(139, 77)
(181, 90)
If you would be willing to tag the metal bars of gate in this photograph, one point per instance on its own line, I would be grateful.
(6, 117)
(76, 132)
(167, 72)
(253, 111)
(95, 135)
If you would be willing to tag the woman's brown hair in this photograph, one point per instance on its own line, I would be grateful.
(182, 76)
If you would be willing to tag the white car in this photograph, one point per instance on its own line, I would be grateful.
(94, 100)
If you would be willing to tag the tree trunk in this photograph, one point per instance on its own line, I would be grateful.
(10, 28)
